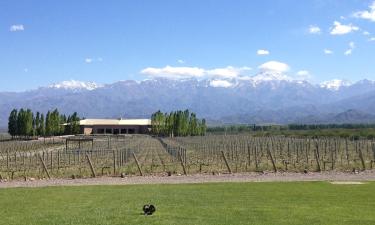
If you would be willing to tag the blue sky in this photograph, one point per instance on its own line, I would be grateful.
(43, 42)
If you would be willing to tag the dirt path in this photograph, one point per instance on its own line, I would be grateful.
(248, 177)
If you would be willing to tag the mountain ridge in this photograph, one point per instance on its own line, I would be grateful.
(265, 98)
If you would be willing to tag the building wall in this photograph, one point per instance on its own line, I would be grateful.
(87, 130)
(115, 129)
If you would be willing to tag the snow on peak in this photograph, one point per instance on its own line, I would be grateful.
(335, 84)
(271, 76)
(263, 77)
(75, 85)
(220, 83)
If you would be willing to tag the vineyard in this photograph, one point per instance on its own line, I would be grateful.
(77, 157)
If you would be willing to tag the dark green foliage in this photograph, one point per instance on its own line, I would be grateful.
(48, 124)
(23, 123)
(55, 123)
(12, 123)
(177, 123)
(243, 128)
(42, 126)
(328, 126)
(72, 124)
(352, 131)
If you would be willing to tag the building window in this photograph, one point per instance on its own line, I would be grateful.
(100, 131)
(116, 131)
(108, 131)
(131, 131)
(123, 131)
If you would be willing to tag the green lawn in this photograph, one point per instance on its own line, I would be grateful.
(225, 203)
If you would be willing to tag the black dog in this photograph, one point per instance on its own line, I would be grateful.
(149, 209)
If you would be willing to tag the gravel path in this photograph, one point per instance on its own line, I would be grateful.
(199, 178)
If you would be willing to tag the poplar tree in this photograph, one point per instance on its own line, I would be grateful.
(12, 123)
(177, 123)
(24, 123)
(37, 123)
(74, 123)
(28, 123)
(21, 123)
(48, 125)
(42, 127)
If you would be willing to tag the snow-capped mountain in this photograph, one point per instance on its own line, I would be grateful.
(75, 85)
(335, 84)
(268, 97)
(220, 83)
(267, 76)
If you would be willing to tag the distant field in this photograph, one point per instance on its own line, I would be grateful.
(367, 133)
(223, 203)
(4, 136)
(351, 133)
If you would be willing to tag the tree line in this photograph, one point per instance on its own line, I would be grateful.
(243, 128)
(329, 126)
(25, 123)
(177, 123)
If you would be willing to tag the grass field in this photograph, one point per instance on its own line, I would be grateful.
(223, 203)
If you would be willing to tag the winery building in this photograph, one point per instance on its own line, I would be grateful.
(115, 126)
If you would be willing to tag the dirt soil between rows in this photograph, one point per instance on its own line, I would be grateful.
(197, 178)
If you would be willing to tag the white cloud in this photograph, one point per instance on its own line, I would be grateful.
(91, 60)
(16, 27)
(367, 14)
(314, 29)
(25, 70)
(195, 72)
(174, 72)
(351, 48)
(303, 75)
(180, 61)
(274, 66)
(341, 29)
(371, 39)
(348, 52)
(220, 83)
(263, 52)
(366, 33)
(328, 51)
(227, 72)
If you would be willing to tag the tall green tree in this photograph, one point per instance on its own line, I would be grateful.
(12, 123)
(55, 122)
(61, 126)
(29, 123)
(74, 123)
(36, 123)
(21, 123)
(42, 126)
(203, 127)
(177, 123)
(24, 123)
(48, 125)
(193, 124)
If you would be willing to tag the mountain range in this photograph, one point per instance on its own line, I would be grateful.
(268, 97)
